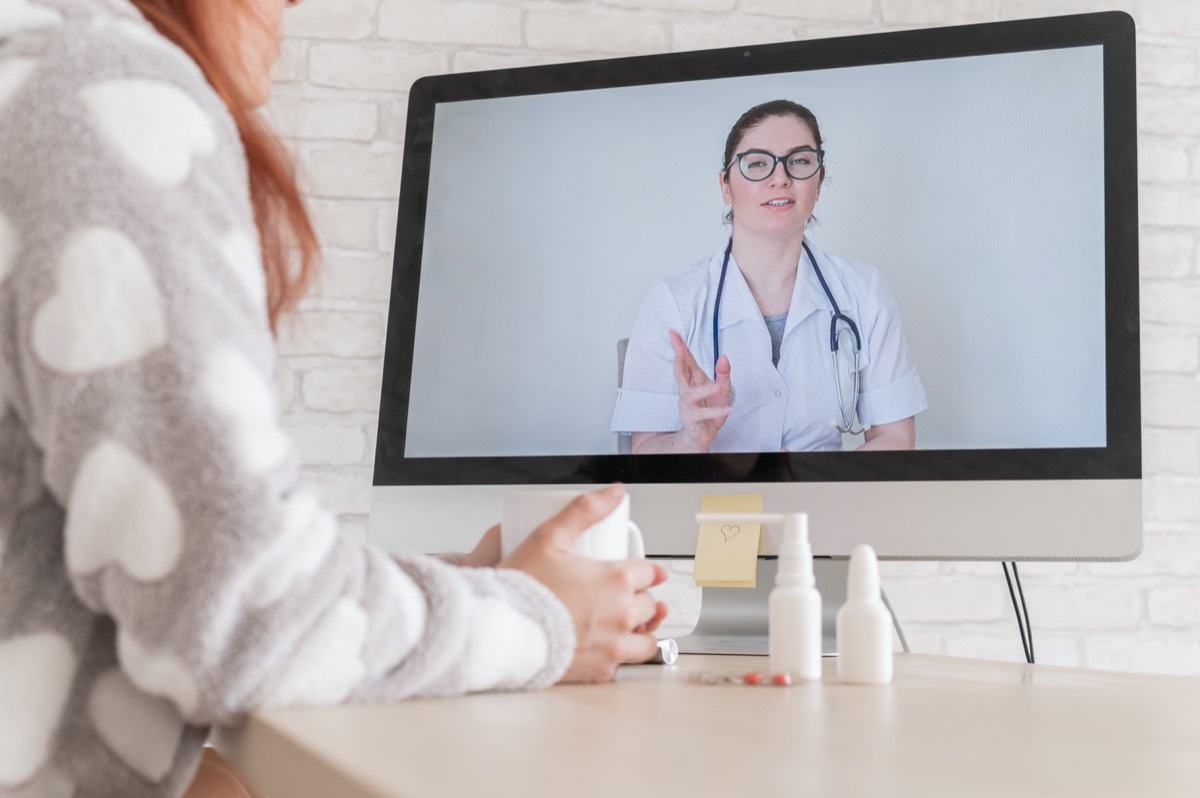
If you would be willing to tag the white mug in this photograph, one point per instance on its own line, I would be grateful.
(614, 537)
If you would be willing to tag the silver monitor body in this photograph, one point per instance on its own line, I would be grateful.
(988, 171)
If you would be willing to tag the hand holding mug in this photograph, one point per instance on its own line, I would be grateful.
(612, 611)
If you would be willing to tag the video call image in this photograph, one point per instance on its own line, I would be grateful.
(627, 270)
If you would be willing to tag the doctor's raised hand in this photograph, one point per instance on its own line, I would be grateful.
(704, 404)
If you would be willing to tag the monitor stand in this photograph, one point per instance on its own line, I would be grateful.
(733, 620)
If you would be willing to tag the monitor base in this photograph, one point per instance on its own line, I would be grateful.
(734, 620)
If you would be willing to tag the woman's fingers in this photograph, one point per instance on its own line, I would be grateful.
(638, 574)
(637, 647)
(642, 611)
(660, 614)
(646, 613)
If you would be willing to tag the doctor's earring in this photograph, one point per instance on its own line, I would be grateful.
(727, 215)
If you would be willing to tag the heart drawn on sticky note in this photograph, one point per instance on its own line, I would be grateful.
(730, 531)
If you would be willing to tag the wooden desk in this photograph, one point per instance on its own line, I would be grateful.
(945, 727)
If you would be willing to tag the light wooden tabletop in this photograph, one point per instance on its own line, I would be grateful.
(945, 727)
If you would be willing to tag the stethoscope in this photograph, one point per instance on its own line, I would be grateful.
(848, 411)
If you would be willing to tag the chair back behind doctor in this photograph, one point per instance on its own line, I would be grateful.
(624, 439)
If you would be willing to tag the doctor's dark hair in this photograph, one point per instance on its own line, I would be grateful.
(756, 116)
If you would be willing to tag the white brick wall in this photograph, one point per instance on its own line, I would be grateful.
(341, 99)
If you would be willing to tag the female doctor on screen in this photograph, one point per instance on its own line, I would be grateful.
(770, 343)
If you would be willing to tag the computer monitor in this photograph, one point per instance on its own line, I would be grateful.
(987, 173)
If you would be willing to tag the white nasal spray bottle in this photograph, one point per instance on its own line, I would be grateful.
(864, 629)
(794, 607)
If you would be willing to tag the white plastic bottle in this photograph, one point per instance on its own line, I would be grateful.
(864, 627)
(794, 609)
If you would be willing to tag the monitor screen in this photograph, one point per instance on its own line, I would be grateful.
(967, 279)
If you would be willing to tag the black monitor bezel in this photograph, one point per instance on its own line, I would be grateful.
(1119, 459)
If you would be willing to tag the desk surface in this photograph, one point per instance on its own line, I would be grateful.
(946, 726)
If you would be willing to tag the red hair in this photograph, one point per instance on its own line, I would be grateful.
(205, 31)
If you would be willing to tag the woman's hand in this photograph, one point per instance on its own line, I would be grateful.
(704, 404)
(614, 614)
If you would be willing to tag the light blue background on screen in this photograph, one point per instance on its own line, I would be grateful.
(975, 185)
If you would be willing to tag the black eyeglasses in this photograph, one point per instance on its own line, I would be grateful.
(757, 165)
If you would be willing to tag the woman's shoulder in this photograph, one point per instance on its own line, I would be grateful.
(863, 281)
(690, 279)
(89, 88)
(58, 51)
(856, 274)
(855, 269)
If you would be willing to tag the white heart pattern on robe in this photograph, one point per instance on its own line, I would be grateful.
(106, 311)
(307, 535)
(157, 127)
(38, 670)
(244, 398)
(120, 511)
(142, 730)
(18, 16)
(327, 665)
(242, 255)
(159, 674)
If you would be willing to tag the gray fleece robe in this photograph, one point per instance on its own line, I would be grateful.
(160, 570)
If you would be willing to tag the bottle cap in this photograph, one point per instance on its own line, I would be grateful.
(862, 579)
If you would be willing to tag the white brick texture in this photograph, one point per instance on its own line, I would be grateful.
(704, 35)
(333, 333)
(341, 100)
(581, 30)
(448, 22)
(1171, 352)
(833, 10)
(945, 12)
(375, 67)
(361, 276)
(1017, 9)
(676, 5)
(329, 444)
(353, 174)
(1171, 452)
(331, 19)
(1175, 302)
(342, 390)
(1172, 18)
(1167, 253)
(1168, 65)
(326, 119)
(343, 225)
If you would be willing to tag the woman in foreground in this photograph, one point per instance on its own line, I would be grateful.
(160, 570)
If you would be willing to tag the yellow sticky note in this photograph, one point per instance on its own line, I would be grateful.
(727, 554)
